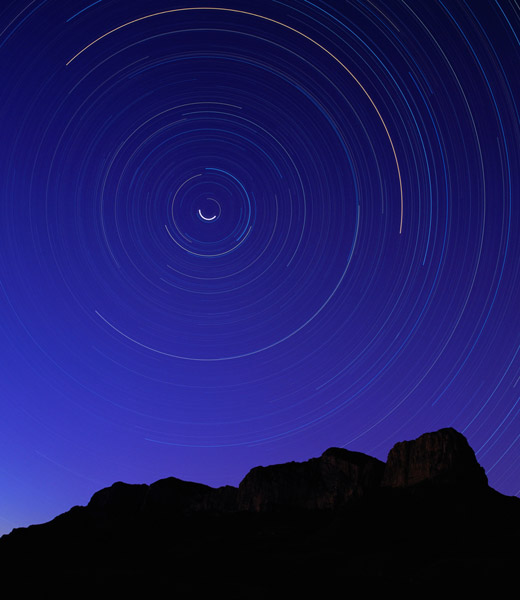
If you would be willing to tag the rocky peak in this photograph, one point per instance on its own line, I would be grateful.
(441, 457)
(120, 499)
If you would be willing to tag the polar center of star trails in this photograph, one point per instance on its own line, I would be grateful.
(206, 218)
(210, 210)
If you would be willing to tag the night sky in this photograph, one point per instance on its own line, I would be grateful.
(243, 232)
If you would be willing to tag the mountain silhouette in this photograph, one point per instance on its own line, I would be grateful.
(425, 521)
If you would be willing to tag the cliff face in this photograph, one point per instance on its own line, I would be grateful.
(439, 458)
(320, 483)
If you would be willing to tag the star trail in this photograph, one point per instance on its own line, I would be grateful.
(239, 233)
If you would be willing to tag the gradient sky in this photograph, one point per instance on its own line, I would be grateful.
(242, 232)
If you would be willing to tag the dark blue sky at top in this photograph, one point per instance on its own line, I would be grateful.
(239, 237)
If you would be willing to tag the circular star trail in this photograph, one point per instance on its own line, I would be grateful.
(242, 232)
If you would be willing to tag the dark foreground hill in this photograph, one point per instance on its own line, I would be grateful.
(341, 525)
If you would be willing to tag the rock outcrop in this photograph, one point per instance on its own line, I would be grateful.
(443, 457)
(328, 482)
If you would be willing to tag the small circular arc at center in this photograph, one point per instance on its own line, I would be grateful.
(206, 218)
(214, 210)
